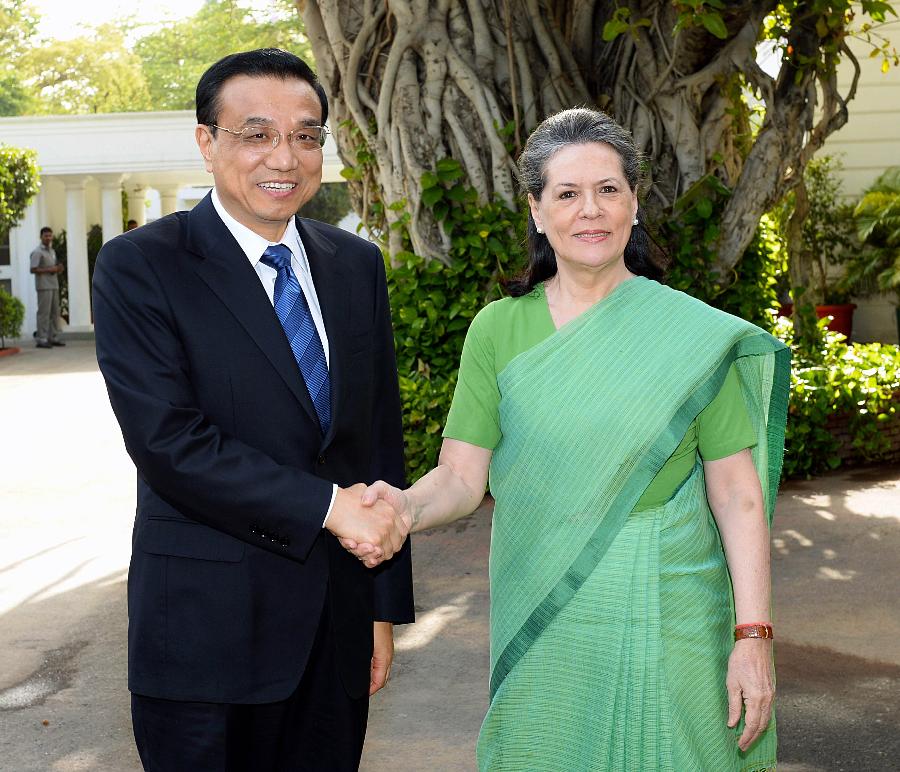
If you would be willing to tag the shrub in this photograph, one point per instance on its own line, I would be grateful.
(330, 204)
(689, 236)
(433, 303)
(12, 315)
(19, 183)
(878, 220)
(858, 380)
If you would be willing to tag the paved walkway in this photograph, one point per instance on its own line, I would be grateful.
(67, 497)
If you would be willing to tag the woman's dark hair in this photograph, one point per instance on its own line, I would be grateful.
(261, 63)
(578, 126)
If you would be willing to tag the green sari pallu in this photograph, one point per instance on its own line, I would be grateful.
(611, 628)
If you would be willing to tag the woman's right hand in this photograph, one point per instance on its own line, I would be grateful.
(369, 554)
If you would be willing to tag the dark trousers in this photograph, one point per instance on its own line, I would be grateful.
(319, 728)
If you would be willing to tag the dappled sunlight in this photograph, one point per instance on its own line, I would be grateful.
(834, 574)
(802, 540)
(818, 500)
(430, 624)
(878, 501)
(36, 575)
(78, 761)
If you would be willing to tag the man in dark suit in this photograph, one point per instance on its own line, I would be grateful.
(249, 359)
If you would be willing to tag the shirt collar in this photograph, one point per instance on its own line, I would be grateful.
(253, 245)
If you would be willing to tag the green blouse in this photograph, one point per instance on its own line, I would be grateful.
(505, 328)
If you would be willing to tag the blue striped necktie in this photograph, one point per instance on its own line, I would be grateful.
(293, 313)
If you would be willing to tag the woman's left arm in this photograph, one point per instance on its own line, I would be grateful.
(736, 500)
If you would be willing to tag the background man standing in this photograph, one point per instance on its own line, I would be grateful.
(249, 359)
(45, 270)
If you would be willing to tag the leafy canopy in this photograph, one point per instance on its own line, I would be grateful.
(94, 73)
(17, 25)
(120, 66)
(174, 58)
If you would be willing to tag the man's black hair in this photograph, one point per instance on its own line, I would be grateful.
(261, 63)
(46, 229)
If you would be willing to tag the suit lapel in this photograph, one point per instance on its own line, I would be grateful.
(224, 267)
(330, 280)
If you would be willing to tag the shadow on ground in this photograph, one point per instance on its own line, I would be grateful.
(837, 711)
(68, 710)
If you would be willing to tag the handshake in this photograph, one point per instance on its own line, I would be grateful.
(371, 522)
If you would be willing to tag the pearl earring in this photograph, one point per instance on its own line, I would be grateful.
(539, 230)
(635, 221)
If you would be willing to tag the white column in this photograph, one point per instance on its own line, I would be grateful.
(22, 239)
(111, 205)
(77, 260)
(168, 199)
(137, 209)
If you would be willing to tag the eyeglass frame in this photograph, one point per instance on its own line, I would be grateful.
(276, 140)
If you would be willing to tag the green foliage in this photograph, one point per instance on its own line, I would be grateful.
(19, 183)
(60, 248)
(94, 242)
(14, 97)
(12, 314)
(702, 13)
(17, 26)
(433, 303)
(858, 381)
(690, 236)
(330, 204)
(620, 22)
(175, 56)
(834, 21)
(829, 229)
(878, 222)
(103, 72)
(94, 73)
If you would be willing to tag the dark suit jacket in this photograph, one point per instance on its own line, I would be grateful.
(230, 562)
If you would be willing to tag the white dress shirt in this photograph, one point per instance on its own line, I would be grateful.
(253, 246)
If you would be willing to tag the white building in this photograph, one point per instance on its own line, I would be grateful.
(86, 161)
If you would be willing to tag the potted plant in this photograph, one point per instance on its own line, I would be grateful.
(12, 314)
(876, 266)
(823, 237)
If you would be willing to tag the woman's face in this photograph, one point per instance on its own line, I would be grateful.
(587, 208)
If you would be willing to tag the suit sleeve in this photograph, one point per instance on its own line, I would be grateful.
(205, 474)
(393, 579)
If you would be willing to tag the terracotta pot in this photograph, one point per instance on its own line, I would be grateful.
(841, 317)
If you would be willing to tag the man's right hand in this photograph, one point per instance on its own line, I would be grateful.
(377, 524)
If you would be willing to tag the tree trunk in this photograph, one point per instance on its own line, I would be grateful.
(413, 82)
(804, 288)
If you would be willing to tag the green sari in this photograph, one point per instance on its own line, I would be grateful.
(610, 628)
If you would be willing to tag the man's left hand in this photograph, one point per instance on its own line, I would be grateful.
(382, 656)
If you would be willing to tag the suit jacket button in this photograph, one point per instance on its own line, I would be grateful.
(320, 460)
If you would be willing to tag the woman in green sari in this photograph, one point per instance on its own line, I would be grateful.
(633, 437)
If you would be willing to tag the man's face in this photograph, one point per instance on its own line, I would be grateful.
(263, 190)
(47, 238)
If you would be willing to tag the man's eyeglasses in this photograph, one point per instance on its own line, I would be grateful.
(264, 139)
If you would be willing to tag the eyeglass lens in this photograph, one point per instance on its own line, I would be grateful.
(264, 138)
